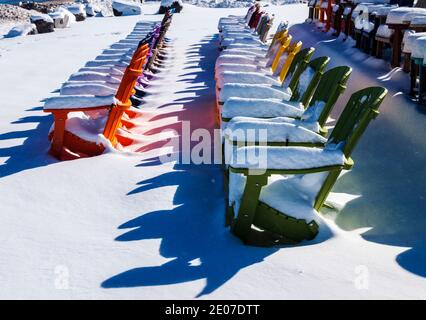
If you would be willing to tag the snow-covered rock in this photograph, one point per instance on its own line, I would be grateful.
(43, 22)
(126, 8)
(78, 10)
(22, 30)
(177, 5)
(63, 18)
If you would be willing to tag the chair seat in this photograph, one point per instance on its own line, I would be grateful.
(286, 158)
(86, 127)
(80, 102)
(113, 71)
(99, 89)
(255, 91)
(94, 76)
(276, 130)
(245, 51)
(263, 78)
(228, 41)
(240, 68)
(238, 58)
(249, 46)
(283, 193)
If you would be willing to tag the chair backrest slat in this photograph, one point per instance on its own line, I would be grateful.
(318, 65)
(361, 108)
(298, 65)
(329, 88)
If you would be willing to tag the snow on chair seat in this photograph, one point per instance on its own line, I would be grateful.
(100, 89)
(283, 130)
(271, 61)
(258, 220)
(276, 77)
(261, 108)
(93, 76)
(78, 102)
(233, 90)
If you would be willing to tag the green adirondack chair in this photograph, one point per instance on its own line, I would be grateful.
(298, 65)
(258, 223)
(318, 65)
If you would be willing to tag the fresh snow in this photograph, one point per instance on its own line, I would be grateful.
(276, 130)
(299, 202)
(403, 14)
(84, 101)
(77, 8)
(384, 31)
(289, 158)
(261, 108)
(255, 91)
(124, 225)
(44, 17)
(21, 30)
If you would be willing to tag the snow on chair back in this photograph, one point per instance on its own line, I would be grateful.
(298, 65)
(331, 85)
(359, 111)
(318, 66)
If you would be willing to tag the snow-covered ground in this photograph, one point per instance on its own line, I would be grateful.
(128, 226)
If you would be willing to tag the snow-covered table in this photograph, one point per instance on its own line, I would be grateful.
(399, 20)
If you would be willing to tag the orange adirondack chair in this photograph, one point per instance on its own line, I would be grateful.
(66, 145)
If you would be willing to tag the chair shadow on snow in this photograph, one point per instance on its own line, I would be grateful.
(389, 171)
(32, 152)
(192, 234)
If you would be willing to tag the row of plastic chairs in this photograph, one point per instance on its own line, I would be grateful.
(281, 162)
(97, 100)
(258, 21)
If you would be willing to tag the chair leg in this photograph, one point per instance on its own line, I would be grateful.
(248, 206)
(413, 78)
(406, 65)
(379, 50)
(422, 84)
(60, 117)
(326, 188)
